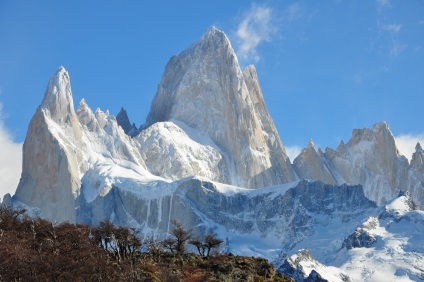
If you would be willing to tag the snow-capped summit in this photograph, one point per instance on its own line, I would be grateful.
(58, 98)
(205, 88)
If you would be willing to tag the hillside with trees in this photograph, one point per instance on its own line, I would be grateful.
(34, 249)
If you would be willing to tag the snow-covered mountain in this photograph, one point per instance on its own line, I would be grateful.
(388, 246)
(204, 88)
(210, 156)
(370, 159)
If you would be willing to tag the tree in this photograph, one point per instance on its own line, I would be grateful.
(154, 246)
(206, 244)
(120, 242)
(211, 242)
(198, 243)
(181, 236)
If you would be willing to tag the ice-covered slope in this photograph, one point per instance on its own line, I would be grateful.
(371, 159)
(205, 88)
(387, 246)
(397, 254)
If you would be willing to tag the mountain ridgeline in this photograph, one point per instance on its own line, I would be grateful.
(208, 155)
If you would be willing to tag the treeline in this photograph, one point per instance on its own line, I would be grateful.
(34, 249)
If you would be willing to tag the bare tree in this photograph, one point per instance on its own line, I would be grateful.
(211, 242)
(169, 244)
(179, 240)
(205, 245)
(154, 246)
(198, 243)
(181, 236)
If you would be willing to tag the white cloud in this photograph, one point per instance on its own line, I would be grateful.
(10, 160)
(392, 27)
(255, 27)
(406, 143)
(383, 4)
(293, 151)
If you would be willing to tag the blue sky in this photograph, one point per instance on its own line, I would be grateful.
(325, 67)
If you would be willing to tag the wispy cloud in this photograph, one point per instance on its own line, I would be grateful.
(255, 27)
(389, 39)
(293, 12)
(406, 143)
(397, 48)
(392, 27)
(293, 151)
(10, 160)
(381, 4)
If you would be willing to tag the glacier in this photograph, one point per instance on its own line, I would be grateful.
(209, 155)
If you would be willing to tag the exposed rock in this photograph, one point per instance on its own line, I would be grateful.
(371, 159)
(303, 267)
(51, 174)
(124, 122)
(310, 165)
(205, 88)
(315, 277)
(359, 239)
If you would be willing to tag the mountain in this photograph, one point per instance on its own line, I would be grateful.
(209, 155)
(387, 246)
(370, 159)
(204, 88)
(124, 122)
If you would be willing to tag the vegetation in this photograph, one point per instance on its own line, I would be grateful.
(37, 250)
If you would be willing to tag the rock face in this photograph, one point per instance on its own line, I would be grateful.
(303, 267)
(285, 215)
(50, 174)
(312, 165)
(362, 238)
(205, 88)
(371, 159)
(124, 122)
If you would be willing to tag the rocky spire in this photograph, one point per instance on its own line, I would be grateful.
(50, 177)
(58, 100)
(205, 88)
(124, 122)
(417, 160)
(311, 165)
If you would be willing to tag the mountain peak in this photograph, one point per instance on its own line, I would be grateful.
(124, 122)
(205, 88)
(311, 144)
(418, 147)
(58, 97)
(380, 126)
(213, 42)
(213, 32)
